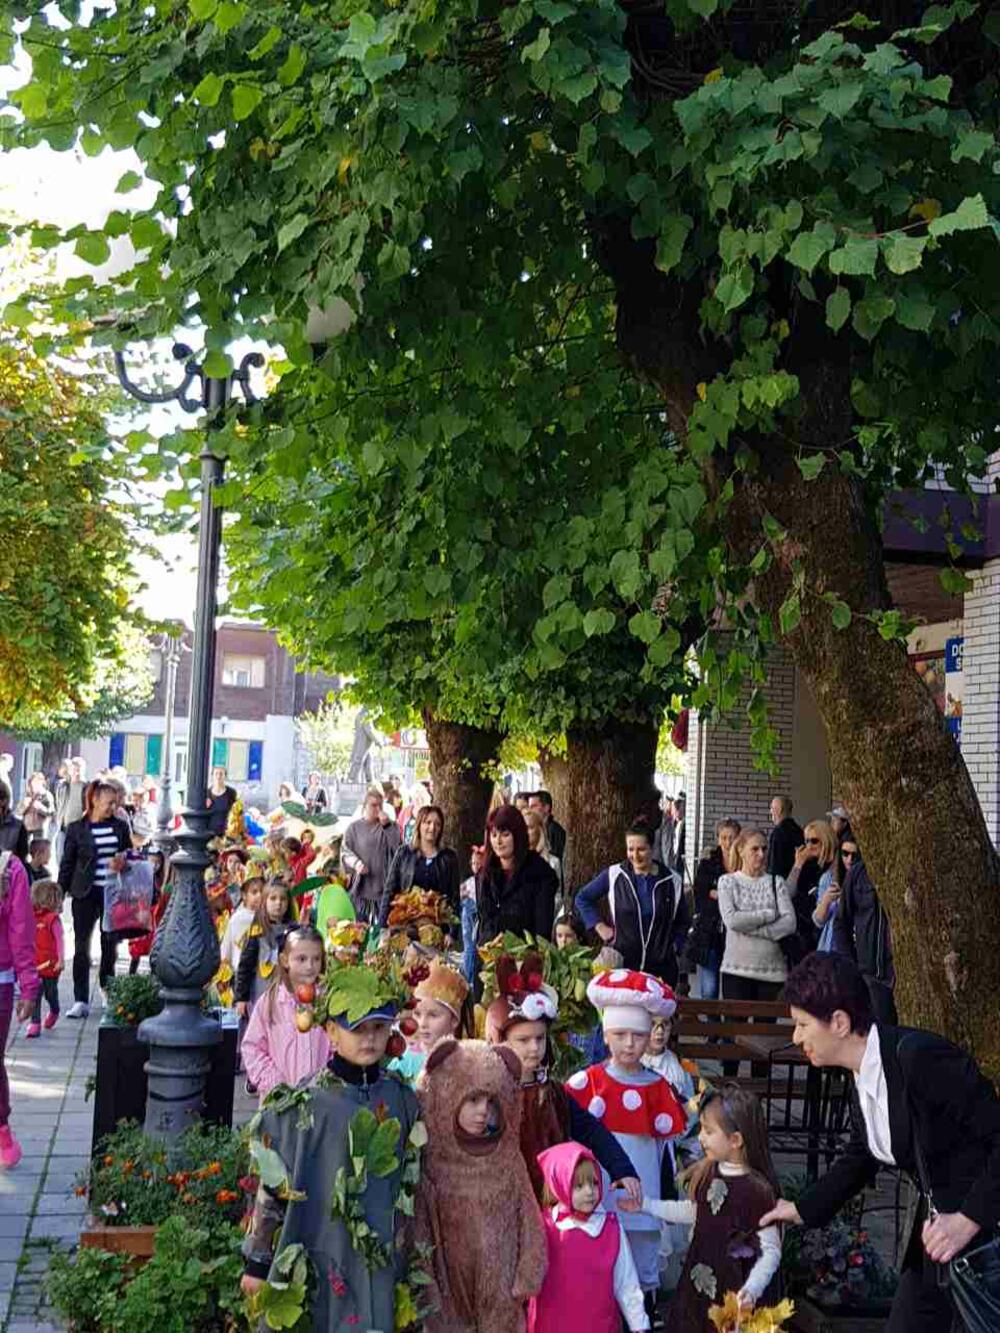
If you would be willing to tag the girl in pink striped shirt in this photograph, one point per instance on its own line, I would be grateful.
(281, 1043)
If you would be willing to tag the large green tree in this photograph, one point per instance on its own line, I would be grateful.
(798, 222)
(68, 656)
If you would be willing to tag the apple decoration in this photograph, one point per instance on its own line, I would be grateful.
(303, 1019)
(306, 993)
(408, 1026)
(396, 1047)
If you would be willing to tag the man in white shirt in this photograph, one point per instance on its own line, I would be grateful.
(906, 1082)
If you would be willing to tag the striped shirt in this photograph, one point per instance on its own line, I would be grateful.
(106, 847)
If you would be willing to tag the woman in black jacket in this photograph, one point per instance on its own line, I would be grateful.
(516, 889)
(707, 937)
(423, 863)
(89, 859)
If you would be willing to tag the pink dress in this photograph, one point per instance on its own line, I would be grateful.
(274, 1050)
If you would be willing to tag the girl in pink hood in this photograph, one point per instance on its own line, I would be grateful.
(17, 962)
(591, 1281)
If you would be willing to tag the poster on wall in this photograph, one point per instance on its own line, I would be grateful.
(930, 667)
(954, 686)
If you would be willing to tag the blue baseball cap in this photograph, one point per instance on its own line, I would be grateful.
(386, 1012)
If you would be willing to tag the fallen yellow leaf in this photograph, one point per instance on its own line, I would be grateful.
(702, 390)
(713, 75)
(928, 209)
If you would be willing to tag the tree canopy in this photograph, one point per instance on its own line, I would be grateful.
(67, 651)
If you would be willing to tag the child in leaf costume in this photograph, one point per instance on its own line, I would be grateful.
(338, 1160)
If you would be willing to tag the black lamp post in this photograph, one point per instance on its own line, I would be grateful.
(172, 647)
(185, 953)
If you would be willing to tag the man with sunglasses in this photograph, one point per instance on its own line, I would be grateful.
(861, 930)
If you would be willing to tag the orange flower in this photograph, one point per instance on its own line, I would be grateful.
(213, 1169)
(188, 1198)
(80, 1191)
(109, 1160)
(226, 1196)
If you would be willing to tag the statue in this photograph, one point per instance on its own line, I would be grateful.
(366, 737)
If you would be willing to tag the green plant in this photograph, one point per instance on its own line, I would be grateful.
(130, 999)
(135, 1181)
(86, 1288)
(835, 1265)
(191, 1284)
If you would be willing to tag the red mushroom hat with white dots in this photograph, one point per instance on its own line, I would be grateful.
(630, 1000)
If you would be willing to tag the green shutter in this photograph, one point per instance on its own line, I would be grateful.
(154, 755)
(220, 753)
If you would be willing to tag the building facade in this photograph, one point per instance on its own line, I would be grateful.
(259, 692)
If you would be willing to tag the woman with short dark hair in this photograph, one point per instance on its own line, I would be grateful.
(516, 889)
(13, 834)
(707, 938)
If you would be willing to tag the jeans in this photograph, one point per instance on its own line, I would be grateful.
(6, 1014)
(708, 979)
(50, 991)
(470, 923)
(87, 913)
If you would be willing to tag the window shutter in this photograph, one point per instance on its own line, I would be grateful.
(255, 761)
(220, 753)
(116, 750)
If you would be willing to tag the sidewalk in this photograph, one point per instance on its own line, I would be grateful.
(52, 1118)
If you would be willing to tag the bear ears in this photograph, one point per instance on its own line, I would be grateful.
(447, 1046)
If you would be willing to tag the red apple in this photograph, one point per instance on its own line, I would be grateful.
(408, 1026)
(306, 993)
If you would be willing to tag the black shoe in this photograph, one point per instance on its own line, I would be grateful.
(250, 1088)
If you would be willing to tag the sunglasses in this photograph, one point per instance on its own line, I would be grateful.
(848, 856)
(812, 842)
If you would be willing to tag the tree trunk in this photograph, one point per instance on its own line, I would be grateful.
(894, 763)
(555, 780)
(53, 753)
(610, 777)
(459, 755)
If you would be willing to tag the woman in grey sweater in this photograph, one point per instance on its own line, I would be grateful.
(756, 911)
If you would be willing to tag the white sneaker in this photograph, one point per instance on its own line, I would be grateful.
(79, 1010)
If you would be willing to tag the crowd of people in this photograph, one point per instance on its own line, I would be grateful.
(376, 971)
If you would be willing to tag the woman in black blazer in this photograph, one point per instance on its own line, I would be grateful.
(908, 1085)
(90, 856)
(516, 889)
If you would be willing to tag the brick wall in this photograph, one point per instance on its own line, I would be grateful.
(981, 706)
(721, 780)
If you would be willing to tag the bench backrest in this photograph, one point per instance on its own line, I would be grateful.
(726, 1021)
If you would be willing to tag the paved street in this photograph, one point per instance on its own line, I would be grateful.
(52, 1118)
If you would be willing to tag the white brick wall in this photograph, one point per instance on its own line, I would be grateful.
(981, 706)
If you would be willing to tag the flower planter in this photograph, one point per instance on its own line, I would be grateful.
(812, 1318)
(136, 1241)
(121, 1080)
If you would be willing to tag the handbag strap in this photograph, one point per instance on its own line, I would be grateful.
(923, 1175)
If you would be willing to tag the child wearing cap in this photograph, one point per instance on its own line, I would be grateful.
(636, 1104)
(310, 1138)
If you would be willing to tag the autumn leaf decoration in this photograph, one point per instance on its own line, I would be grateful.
(729, 1318)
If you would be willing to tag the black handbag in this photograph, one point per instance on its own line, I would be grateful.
(792, 949)
(972, 1277)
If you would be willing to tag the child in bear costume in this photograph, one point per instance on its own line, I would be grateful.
(474, 1202)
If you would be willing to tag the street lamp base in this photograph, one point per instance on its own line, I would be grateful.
(180, 1045)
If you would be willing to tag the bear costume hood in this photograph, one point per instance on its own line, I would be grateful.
(456, 1070)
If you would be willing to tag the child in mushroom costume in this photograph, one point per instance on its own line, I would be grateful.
(474, 1201)
(636, 1104)
(520, 1017)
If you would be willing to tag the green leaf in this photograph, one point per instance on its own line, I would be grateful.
(625, 572)
(841, 615)
(209, 90)
(838, 307)
(811, 465)
(954, 581)
(17, 316)
(292, 230)
(838, 101)
(808, 248)
(598, 621)
(228, 14)
(145, 232)
(735, 287)
(903, 253)
(578, 87)
(871, 313)
(645, 625)
(217, 365)
(536, 50)
(914, 312)
(790, 613)
(33, 99)
(93, 248)
(968, 216)
(130, 181)
(972, 144)
(856, 257)
(91, 143)
(267, 43)
(295, 63)
(673, 234)
(202, 9)
(246, 98)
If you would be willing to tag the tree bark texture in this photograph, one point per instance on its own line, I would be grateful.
(555, 780)
(894, 763)
(459, 756)
(610, 779)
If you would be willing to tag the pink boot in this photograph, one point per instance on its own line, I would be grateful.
(10, 1149)
(51, 1019)
(33, 1029)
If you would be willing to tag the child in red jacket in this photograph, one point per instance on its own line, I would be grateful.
(46, 904)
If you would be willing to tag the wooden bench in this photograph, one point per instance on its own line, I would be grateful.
(806, 1108)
